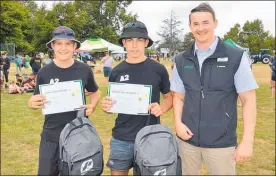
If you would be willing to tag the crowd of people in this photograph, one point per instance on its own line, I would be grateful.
(22, 74)
(23, 81)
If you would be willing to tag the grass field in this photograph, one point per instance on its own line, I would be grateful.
(21, 128)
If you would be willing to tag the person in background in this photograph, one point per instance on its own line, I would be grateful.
(46, 60)
(13, 88)
(29, 83)
(107, 66)
(1, 76)
(76, 57)
(19, 80)
(155, 58)
(273, 78)
(36, 63)
(6, 66)
(26, 64)
(17, 64)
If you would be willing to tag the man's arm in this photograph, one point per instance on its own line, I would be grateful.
(246, 84)
(167, 102)
(245, 148)
(248, 100)
(178, 106)
(178, 90)
(181, 129)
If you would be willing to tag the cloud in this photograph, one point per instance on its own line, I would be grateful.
(228, 13)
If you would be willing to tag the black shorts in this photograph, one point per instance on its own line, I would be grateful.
(48, 158)
(273, 78)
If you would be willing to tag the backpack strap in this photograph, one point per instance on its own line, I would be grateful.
(148, 121)
(81, 112)
(81, 122)
(72, 123)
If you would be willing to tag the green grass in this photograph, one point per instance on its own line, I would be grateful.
(21, 128)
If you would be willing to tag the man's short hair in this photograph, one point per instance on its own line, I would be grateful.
(107, 52)
(203, 7)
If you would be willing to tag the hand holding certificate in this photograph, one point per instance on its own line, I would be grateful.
(62, 96)
(130, 98)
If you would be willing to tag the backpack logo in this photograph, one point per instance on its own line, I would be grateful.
(161, 172)
(124, 78)
(86, 166)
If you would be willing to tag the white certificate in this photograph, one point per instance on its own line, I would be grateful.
(62, 96)
(130, 98)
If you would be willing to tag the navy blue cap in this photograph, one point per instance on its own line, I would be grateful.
(63, 32)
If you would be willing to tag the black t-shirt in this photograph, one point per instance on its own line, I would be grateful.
(54, 123)
(6, 63)
(36, 63)
(148, 72)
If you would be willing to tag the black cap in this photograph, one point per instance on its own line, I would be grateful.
(63, 32)
(135, 29)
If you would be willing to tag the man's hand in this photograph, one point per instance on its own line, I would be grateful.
(244, 152)
(155, 109)
(107, 104)
(183, 131)
(37, 102)
(89, 109)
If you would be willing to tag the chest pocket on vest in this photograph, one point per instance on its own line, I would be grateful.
(221, 76)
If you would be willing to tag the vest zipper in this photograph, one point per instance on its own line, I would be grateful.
(201, 74)
(202, 93)
(202, 96)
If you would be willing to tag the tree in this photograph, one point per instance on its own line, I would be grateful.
(170, 32)
(14, 19)
(234, 33)
(188, 39)
(252, 35)
(104, 18)
(30, 26)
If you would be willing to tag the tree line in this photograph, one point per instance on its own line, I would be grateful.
(29, 26)
(251, 35)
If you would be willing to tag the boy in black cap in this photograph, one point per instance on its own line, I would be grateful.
(5, 66)
(63, 68)
(136, 69)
